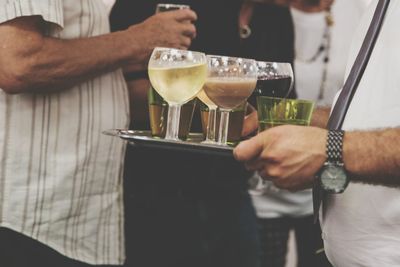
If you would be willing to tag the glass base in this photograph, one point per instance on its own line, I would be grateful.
(209, 142)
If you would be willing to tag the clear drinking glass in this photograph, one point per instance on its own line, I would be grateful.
(229, 83)
(178, 76)
(275, 79)
(158, 108)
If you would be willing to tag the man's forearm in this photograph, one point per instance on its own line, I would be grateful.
(320, 117)
(373, 157)
(32, 62)
(63, 63)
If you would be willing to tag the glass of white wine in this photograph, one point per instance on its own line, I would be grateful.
(229, 83)
(212, 118)
(178, 76)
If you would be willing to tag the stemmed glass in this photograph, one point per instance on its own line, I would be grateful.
(275, 79)
(178, 76)
(229, 83)
(212, 117)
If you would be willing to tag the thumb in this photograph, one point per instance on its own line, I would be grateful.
(250, 149)
(184, 15)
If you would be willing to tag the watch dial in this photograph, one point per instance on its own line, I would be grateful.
(334, 179)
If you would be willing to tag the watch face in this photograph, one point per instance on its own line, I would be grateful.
(334, 178)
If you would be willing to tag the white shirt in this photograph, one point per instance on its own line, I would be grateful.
(361, 227)
(60, 177)
(309, 29)
(109, 4)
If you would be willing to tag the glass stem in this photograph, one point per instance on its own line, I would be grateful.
(223, 127)
(174, 113)
(212, 120)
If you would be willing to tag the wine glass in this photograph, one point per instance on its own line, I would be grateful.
(158, 107)
(229, 83)
(275, 79)
(212, 117)
(178, 76)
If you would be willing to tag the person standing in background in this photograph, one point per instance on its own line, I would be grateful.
(61, 85)
(323, 30)
(199, 214)
(322, 44)
(360, 211)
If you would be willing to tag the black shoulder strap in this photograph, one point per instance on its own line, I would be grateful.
(349, 89)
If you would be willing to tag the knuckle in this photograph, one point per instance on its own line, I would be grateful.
(275, 172)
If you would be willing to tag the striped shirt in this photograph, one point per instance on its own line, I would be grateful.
(60, 178)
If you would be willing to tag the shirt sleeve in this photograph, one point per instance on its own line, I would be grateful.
(50, 10)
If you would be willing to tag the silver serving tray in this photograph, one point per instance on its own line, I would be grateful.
(192, 144)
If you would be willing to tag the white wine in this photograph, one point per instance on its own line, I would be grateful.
(205, 99)
(228, 93)
(178, 85)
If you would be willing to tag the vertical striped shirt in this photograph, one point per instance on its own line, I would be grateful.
(60, 178)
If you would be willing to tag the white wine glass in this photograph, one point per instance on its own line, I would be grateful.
(177, 76)
(229, 83)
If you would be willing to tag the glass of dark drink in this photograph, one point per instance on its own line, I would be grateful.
(275, 79)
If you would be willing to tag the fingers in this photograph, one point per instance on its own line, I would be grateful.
(189, 30)
(184, 15)
(250, 149)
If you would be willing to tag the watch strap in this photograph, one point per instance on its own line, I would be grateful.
(334, 146)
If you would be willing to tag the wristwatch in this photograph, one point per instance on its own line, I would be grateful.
(333, 176)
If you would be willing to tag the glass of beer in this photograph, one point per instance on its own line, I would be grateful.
(177, 76)
(158, 107)
(229, 83)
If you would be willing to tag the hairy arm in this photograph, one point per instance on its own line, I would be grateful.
(373, 157)
(291, 156)
(320, 117)
(32, 62)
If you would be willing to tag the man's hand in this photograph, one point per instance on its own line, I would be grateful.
(167, 29)
(290, 156)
